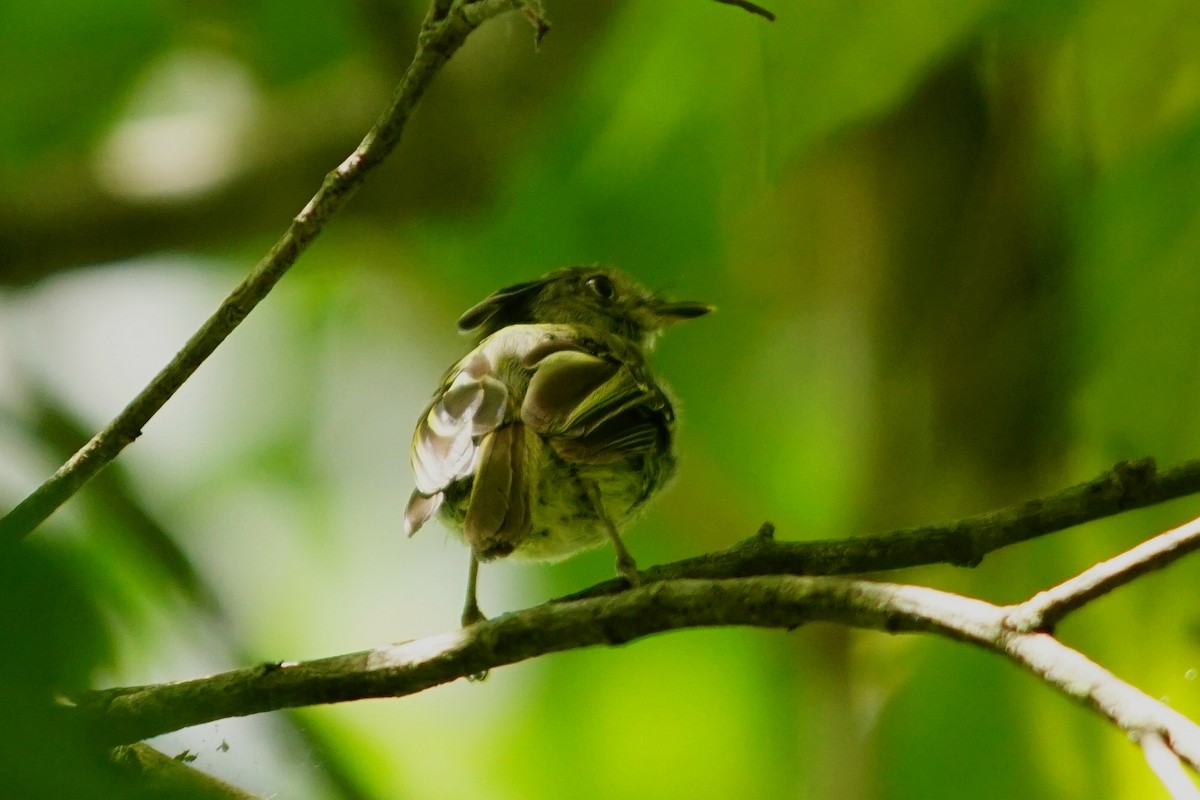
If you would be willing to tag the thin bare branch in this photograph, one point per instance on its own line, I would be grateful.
(1045, 609)
(751, 7)
(172, 776)
(1128, 485)
(128, 714)
(1166, 765)
(1083, 680)
(447, 25)
(439, 40)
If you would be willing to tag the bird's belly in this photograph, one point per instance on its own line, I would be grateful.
(562, 518)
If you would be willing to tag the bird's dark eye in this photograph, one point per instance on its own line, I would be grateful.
(602, 286)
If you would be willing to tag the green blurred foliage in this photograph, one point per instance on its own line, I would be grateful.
(55, 105)
(955, 252)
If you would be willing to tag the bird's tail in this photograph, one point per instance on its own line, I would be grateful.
(498, 511)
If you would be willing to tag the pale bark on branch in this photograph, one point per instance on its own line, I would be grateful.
(771, 601)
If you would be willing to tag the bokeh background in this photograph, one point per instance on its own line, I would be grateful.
(955, 245)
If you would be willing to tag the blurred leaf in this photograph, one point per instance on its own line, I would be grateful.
(50, 103)
(959, 718)
(117, 512)
(1139, 72)
(831, 62)
(1138, 283)
(287, 41)
(53, 639)
(670, 690)
(64, 433)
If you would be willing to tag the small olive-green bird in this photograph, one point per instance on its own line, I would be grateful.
(552, 433)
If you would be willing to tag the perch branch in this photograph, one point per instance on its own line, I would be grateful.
(446, 28)
(129, 714)
(1128, 485)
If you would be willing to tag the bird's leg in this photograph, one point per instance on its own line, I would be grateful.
(626, 566)
(471, 613)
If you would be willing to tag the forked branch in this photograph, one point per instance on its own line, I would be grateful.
(129, 714)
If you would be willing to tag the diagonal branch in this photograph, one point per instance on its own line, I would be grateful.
(128, 714)
(965, 542)
(163, 776)
(1045, 609)
(447, 25)
(1166, 765)
(446, 28)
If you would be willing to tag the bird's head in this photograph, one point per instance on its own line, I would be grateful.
(603, 299)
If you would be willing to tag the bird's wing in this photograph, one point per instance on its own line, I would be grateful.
(446, 444)
(464, 432)
(591, 405)
(594, 406)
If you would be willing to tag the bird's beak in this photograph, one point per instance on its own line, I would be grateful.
(676, 312)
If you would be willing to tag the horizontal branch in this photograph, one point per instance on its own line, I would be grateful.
(965, 542)
(129, 714)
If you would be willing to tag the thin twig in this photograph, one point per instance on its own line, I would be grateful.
(751, 7)
(1166, 766)
(1128, 485)
(439, 40)
(173, 777)
(1083, 680)
(129, 714)
(1045, 609)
